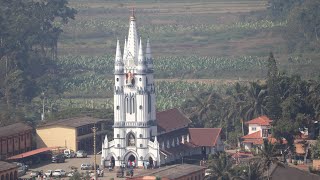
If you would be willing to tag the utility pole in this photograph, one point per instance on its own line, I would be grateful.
(43, 98)
(94, 129)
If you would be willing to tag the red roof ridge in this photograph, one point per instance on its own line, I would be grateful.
(261, 120)
(252, 135)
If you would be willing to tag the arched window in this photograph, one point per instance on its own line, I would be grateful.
(133, 105)
(127, 105)
(11, 176)
(7, 176)
(2, 177)
(149, 102)
(131, 140)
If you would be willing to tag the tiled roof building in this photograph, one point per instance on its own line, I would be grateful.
(14, 139)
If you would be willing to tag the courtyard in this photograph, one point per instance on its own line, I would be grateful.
(75, 162)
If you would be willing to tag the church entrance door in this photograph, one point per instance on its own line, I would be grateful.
(132, 161)
(150, 162)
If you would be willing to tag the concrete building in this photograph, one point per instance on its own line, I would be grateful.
(72, 133)
(15, 139)
(259, 129)
(8, 171)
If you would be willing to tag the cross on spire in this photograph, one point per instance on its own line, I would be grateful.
(132, 12)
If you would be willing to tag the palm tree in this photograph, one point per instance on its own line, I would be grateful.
(253, 171)
(221, 168)
(253, 105)
(269, 155)
(204, 104)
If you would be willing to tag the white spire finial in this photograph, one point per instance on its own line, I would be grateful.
(132, 44)
(140, 57)
(118, 52)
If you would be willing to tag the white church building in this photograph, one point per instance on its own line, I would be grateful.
(140, 134)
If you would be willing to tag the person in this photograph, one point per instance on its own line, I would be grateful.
(131, 172)
(133, 164)
(143, 165)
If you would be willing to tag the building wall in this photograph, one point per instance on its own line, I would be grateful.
(15, 144)
(10, 174)
(53, 136)
(257, 128)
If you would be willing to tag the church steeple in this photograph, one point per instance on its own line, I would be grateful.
(141, 67)
(118, 68)
(132, 43)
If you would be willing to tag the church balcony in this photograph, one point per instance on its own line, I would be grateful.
(131, 124)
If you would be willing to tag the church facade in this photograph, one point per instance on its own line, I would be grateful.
(134, 126)
(140, 134)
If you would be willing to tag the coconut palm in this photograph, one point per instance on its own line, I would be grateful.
(253, 171)
(269, 155)
(253, 105)
(221, 168)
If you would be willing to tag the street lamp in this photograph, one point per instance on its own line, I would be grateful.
(43, 98)
(94, 129)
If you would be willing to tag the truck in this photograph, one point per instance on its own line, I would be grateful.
(68, 153)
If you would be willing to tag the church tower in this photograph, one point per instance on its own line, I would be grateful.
(134, 126)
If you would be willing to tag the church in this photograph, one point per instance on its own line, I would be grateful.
(142, 135)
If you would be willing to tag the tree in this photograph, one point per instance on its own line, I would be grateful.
(221, 168)
(28, 46)
(273, 99)
(253, 105)
(269, 155)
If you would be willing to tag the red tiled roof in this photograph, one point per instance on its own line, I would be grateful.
(30, 153)
(254, 135)
(262, 120)
(14, 129)
(171, 119)
(204, 136)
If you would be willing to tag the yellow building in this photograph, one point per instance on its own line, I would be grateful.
(73, 133)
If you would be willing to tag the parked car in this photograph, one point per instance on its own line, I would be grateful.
(59, 173)
(58, 158)
(34, 173)
(21, 168)
(86, 166)
(48, 173)
(81, 153)
(68, 153)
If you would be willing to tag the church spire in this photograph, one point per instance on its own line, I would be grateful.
(124, 50)
(132, 43)
(118, 52)
(140, 57)
(149, 56)
(118, 68)
(141, 67)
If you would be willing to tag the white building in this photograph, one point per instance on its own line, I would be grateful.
(140, 134)
(259, 129)
(135, 128)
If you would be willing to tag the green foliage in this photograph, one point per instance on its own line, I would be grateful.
(316, 149)
(28, 46)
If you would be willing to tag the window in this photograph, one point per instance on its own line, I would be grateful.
(253, 129)
(118, 107)
(140, 79)
(118, 135)
(265, 132)
(140, 136)
(117, 79)
(118, 145)
(141, 145)
(140, 107)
